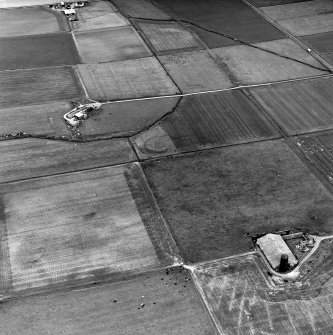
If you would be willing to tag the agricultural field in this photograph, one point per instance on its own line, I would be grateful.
(256, 65)
(299, 107)
(37, 51)
(168, 37)
(155, 303)
(318, 149)
(296, 9)
(100, 46)
(73, 236)
(21, 3)
(36, 120)
(212, 120)
(141, 9)
(320, 42)
(127, 118)
(146, 148)
(36, 157)
(38, 86)
(309, 25)
(243, 299)
(135, 78)
(98, 15)
(32, 21)
(196, 71)
(216, 200)
(328, 58)
(311, 21)
(267, 3)
(221, 16)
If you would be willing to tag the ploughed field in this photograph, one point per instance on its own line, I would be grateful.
(214, 126)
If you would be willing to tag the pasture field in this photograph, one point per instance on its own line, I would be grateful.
(216, 200)
(126, 118)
